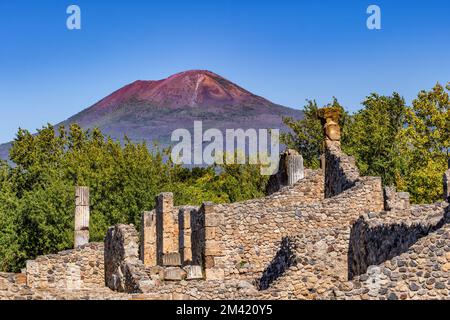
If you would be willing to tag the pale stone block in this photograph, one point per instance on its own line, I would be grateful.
(210, 233)
(81, 238)
(213, 219)
(214, 274)
(171, 259)
(213, 248)
(174, 274)
(73, 277)
(193, 272)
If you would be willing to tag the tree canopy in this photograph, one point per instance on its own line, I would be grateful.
(37, 191)
(408, 146)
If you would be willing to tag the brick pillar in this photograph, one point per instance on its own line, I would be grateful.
(81, 216)
(294, 167)
(213, 246)
(166, 226)
(185, 234)
(148, 253)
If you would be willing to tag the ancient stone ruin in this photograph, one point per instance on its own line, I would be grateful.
(81, 216)
(318, 234)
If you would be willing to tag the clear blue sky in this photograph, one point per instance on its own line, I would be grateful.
(286, 51)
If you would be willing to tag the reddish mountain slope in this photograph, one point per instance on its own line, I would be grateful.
(196, 88)
(151, 110)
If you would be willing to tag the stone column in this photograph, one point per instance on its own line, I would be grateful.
(447, 183)
(329, 117)
(213, 245)
(294, 167)
(332, 162)
(81, 216)
(148, 254)
(290, 171)
(185, 234)
(166, 225)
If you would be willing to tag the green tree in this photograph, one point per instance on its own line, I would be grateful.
(426, 144)
(37, 193)
(10, 252)
(373, 135)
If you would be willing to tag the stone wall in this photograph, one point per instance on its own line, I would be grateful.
(124, 272)
(320, 241)
(198, 233)
(420, 272)
(396, 201)
(79, 268)
(341, 170)
(376, 238)
(10, 284)
(13, 287)
(241, 238)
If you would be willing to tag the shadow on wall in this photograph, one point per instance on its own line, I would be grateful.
(284, 259)
(374, 245)
(341, 174)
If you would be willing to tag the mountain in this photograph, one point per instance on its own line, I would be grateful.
(151, 110)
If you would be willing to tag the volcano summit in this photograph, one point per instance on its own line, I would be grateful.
(151, 110)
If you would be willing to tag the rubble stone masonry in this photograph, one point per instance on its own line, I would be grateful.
(79, 268)
(324, 234)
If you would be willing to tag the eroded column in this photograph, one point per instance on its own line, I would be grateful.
(81, 216)
(294, 167)
(148, 253)
(167, 228)
(213, 245)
